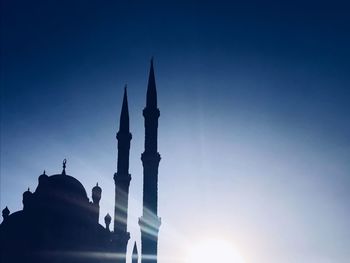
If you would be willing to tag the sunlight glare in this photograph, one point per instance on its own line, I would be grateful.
(213, 250)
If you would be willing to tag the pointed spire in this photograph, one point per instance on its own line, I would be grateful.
(135, 255)
(151, 101)
(124, 115)
(64, 166)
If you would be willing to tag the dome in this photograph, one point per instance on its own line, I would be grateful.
(62, 187)
(68, 185)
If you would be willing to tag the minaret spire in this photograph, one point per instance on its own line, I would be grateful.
(150, 222)
(151, 101)
(122, 181)
(124, 115)
(124, 137)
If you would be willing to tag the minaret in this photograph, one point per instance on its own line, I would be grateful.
(6, 213)
(96, 197)
(122, 181)
(108, 220)
(27, 198)
(150, 222)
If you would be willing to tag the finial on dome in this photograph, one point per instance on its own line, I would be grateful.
(28, 189)
(44, 173)
(64, 166)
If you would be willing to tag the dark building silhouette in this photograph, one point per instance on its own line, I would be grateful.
(59, 223)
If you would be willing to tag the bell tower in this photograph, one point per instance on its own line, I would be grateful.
(149, 221)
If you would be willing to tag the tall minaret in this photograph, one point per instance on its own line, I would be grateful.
(122, 181)
(150, 222)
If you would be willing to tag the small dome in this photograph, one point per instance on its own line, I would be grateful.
(43, 177)
(27, 193)
(96, 188)
(108, 218)
(96, 193)
(27, 197)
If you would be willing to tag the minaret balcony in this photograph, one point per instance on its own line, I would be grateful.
(147, 157)
(150, 225)
(151, 113)
(122, 135)
(122, 177)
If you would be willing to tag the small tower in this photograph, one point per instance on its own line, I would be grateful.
(150, 222)
(43, 178)
(5, 213)
(108, 220)
(122, 181)
(135, 255)
(27, 198)
(96, 197)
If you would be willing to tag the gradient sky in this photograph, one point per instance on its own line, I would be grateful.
(254, 130)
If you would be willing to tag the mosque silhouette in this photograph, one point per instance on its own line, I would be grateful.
(58, 223)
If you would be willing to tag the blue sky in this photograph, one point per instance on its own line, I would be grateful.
(254, 127)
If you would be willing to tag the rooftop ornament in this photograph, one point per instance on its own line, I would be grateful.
(64, 166)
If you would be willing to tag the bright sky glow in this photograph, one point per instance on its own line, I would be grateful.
(213, 250)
